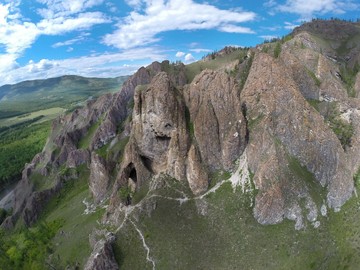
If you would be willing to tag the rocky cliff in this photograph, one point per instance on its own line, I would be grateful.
(284, 126)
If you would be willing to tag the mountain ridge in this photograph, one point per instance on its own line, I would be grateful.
(275, 127)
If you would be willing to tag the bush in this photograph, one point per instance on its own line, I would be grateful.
(313, 76)
(29, 248)
(245, 71)
(343, 130)
(3, 215)
(348, 77)
(126, 194)
(277, 50)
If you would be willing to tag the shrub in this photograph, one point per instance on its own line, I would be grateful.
(341, 128)
(125, 194)
(3, 215)
(313, 76)
(277, 50)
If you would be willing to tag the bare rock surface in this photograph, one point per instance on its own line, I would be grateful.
(102, 256)
(99, 180)
(218, 122)
(285, 126)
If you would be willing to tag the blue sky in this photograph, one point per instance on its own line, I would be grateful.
(98, 38)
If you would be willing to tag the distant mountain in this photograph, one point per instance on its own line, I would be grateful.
(62, 91)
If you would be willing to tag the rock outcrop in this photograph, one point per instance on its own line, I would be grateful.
(102, 257)
(283, 127)
(99, 180)
(217, 120)
(160, 123)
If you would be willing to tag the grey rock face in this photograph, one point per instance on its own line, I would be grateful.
(285, 125)
(195, 173)
(102, 257)
(99, 180)
(159, 126)
(78, 157)
(218, 122)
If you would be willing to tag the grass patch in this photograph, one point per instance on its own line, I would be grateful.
(226, 236)
(314, 103)
(42, 182)
(103, 151)
(127, 243)
(313, 76)
(215, 63)
(253, 122)
(348, 76)
(217, 176)
(342, 129)
(43, 115)
(65, 92)
(357, 179)
(140, 194)
(189, 123)
(302, 173)
(245, 70)
(71, 244)
(85, 141)
(117, 150)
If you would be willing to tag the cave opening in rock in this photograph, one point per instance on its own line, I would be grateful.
(133, 175)
(163, 138)
(148, 163)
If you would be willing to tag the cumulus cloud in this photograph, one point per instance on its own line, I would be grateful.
(179, 54)
(58, 17)
(189, 58)
(308, 8)
(14, 36)
(42, 65)
(143, 26)
(103, 65)
(7, 62)
(64, 8)
(62, 25)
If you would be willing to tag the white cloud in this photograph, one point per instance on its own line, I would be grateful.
(134, 3)
(111, 6)
(103, 65)
(14, 36)
(308, 8)
(59, 17)
(189, 58)
(199, 50)
(62, 25)
(179, 54)
(271, 28)
(70, 49)
(42, 65)
(78, 39)
(63, 8)
(268, 37)
(270, 3)
(7, 62)
(290, 26)
(157, 16)
(236, 29)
